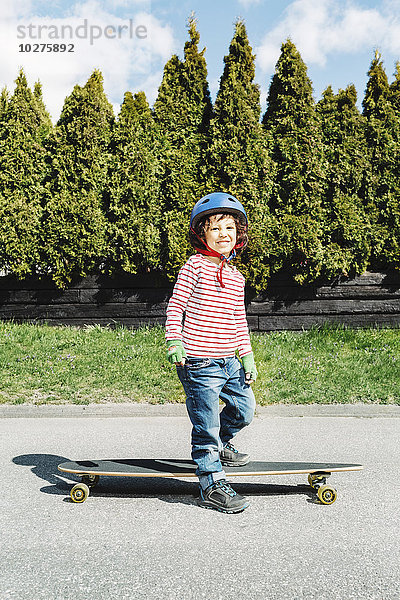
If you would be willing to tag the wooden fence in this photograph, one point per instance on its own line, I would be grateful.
(368, 300)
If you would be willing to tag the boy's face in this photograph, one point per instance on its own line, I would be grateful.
(220, 233)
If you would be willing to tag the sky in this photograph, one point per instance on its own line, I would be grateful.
(131, 40)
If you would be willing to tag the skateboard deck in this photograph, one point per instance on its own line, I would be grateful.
(91, 470)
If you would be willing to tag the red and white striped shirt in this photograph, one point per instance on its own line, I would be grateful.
(215, 322)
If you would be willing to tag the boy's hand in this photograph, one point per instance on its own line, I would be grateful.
(250, 368)
(176, 353)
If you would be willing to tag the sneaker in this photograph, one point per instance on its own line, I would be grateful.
(222, 497)
(230, 457)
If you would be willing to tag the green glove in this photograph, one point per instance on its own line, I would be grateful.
(176, 352)
(250, 367)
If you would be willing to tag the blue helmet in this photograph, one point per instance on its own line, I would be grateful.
(214, 203)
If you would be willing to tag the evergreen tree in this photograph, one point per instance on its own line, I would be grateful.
(133, 205)
(237, 157)
(4, 99)
(22, 171)
(74, 221)
(383, 138)
(394, 90)
(182, 111)
(45, 126)
(297, 153)
(348, 229)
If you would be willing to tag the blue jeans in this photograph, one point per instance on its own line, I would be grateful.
(205, 381)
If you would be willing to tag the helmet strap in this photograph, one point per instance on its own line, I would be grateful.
(207, 251)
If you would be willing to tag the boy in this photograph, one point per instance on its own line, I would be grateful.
(209, 293)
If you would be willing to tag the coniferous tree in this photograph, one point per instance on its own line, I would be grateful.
(394, 90)
(46, 125)
(4, 99)
(74, 221)
(348, 230)
(24, 126)
(383, 138)
(182, 111)
(297, 154)
(133, 204)
(237, 157)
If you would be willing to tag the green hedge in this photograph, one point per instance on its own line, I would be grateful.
(94, 193)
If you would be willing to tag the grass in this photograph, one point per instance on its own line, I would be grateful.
(44, 365)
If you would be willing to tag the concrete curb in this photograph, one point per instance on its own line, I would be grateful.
(29, 411)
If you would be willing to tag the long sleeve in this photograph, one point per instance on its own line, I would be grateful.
(242, 328)
(183, 289)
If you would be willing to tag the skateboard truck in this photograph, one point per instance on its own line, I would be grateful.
(326, 493)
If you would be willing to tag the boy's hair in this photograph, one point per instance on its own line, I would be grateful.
(201, 225)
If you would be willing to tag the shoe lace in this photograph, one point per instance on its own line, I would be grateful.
(225, 486)
(229, 446)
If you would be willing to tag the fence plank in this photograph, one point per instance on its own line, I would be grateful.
(89, 311)
(328, 307)
(291, 322)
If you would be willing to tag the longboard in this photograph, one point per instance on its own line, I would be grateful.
(91, 470)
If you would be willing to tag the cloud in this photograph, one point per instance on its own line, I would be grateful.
(321, 28)
(129, 58)
(13, 8)
(248, 3)
(112, 4)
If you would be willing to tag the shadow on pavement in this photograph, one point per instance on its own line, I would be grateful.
(169, 490)
(45, 466)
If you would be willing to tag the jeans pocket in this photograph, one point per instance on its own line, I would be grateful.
(182, 373)
(193, 364)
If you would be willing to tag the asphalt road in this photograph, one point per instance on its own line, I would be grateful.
(148, 539)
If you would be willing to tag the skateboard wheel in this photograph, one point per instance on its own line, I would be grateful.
(79, 492)
(90, 480)
(327, 494)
